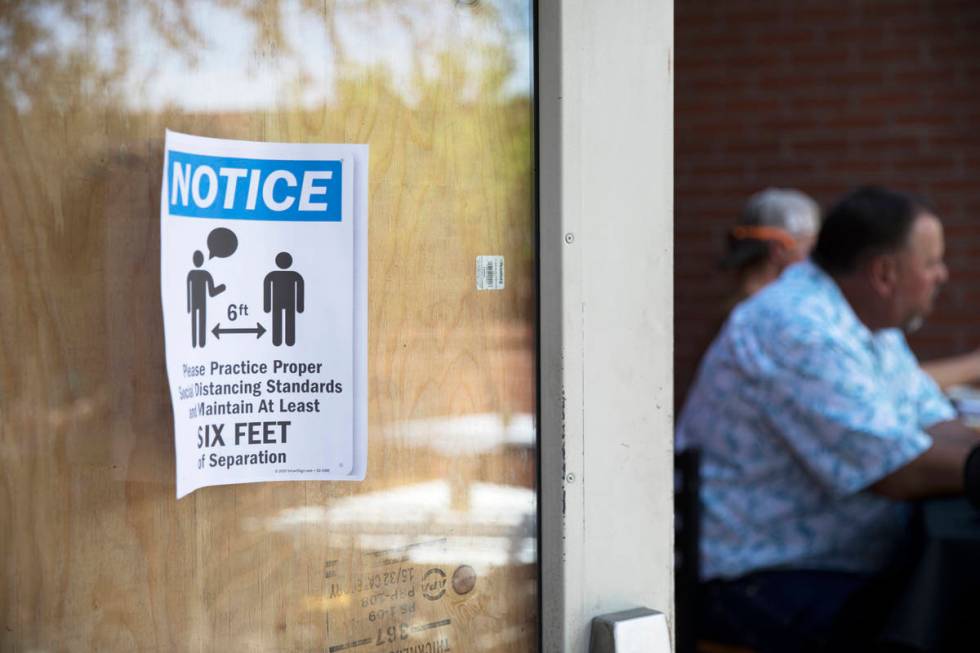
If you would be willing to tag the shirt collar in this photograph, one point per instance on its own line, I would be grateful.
(845, 315)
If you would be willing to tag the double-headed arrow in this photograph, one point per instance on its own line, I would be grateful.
(258, 330)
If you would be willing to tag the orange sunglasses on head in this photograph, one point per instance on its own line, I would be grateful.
(774, 234)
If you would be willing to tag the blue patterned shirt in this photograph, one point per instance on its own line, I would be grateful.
(798, 408)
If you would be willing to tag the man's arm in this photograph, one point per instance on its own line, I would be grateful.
(938, 471)
(956, 370)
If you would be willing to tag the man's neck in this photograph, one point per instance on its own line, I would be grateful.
(865, 303)
(755, 279)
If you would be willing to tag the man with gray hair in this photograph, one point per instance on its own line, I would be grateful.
(815, 425)
(777, 228)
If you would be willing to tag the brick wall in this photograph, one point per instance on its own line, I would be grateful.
(823, 96)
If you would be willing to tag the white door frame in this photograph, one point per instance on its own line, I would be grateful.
(605, 139)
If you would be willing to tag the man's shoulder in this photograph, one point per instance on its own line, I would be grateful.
(893, 339)
(800, 305)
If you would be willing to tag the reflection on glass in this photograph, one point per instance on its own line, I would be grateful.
(437, 547)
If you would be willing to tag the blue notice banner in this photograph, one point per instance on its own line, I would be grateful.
(201, 186)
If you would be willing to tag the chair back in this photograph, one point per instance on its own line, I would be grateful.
(687, 538)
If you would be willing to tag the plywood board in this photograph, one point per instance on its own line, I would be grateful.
(436, 548)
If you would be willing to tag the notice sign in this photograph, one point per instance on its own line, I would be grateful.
(263, 265)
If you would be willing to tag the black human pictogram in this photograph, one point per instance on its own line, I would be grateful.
(282, 295)
(200, 286)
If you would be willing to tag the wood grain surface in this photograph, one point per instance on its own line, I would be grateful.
(97, 554)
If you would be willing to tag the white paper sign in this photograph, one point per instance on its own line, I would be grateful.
(263, 265)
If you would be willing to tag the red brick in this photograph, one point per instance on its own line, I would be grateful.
(753, 105)
(919, 77)
(963, 185)
(710, 41)
(835, 34)
(907, 142)
(723, 167)
(753, 59)
(831, 141)
(797, 166)
(797, 38)
(826, 12)
(896, 55)
(823, 58)
(956, 51)
(888, 99)
(823, 96)
(856, 77)
(948, 164)
(735, 14)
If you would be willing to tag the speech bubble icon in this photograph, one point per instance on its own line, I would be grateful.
(222, 243)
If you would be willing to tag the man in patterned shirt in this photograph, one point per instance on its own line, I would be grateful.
(816, 425)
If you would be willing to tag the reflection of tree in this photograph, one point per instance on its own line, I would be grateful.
(82, 380)
(73, 54)
(88, 48)
(450, 154)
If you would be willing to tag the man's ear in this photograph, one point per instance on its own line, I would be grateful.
(882, 272)
(780, 254)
